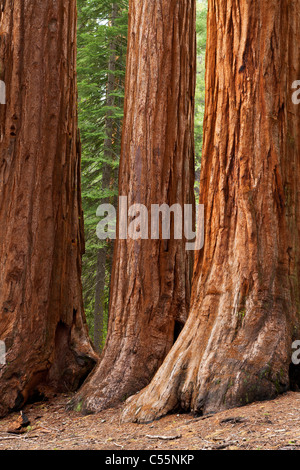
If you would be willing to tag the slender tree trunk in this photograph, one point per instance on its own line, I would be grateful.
(41, 226)
(237, 344)
(99, 300)
(151, 278)
(104, 253)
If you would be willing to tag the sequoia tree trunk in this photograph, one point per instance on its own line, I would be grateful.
(41, 224)
(151, 278)
(237, 344)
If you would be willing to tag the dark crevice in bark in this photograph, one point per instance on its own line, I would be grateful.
(177, 330)
(294, 376)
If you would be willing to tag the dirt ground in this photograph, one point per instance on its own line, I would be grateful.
(266, 425)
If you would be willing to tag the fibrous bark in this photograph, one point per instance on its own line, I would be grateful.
(41, 225)
(151, 279)
(236, 346)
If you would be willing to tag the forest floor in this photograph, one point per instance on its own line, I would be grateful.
(266, 425)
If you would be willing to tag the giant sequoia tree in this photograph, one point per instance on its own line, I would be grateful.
(41, 313)
(151, 279)
(245, 306)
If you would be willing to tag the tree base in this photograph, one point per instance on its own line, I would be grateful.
(216, 372)
(107, 388)
(31, 376)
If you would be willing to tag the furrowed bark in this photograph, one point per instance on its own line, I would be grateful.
(41, 223)
(236, 346)
(151, 278)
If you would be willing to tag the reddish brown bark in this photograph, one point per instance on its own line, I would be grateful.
(41, 238)
(150, 279)
(237, 344)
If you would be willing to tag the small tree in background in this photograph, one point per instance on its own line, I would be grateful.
(102, 46)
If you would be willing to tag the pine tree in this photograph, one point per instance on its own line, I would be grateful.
(201, 29)
(102, 44)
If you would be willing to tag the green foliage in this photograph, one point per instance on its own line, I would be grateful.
(201, 27)
(96, 33)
